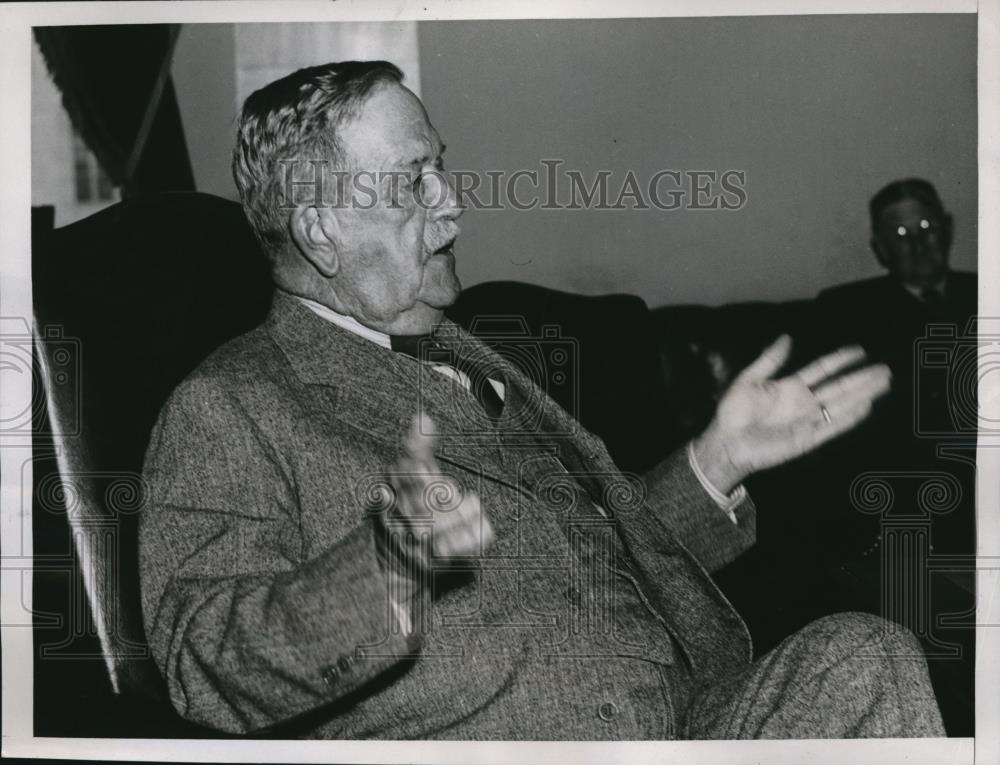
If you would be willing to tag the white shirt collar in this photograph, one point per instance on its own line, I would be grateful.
(346, 322)
(918, 292)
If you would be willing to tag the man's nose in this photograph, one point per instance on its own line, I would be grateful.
(446, 203)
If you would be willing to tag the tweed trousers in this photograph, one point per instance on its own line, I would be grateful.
(851, 675)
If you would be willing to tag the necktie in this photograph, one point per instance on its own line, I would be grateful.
(934, 304)
(426, 348)
(931, 297)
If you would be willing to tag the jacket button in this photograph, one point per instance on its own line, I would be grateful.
(331, 675)
(344, 663)
(607, 711)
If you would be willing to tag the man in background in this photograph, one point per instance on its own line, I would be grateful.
(911, 238)
(917, 320)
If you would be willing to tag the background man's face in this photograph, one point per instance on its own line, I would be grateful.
(397, 253)
(912, 241)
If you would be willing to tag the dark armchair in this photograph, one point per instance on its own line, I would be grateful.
(127, 302)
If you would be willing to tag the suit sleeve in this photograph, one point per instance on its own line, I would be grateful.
(682, 504)
(246, 632)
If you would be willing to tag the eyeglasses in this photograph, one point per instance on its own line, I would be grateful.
(924, 228)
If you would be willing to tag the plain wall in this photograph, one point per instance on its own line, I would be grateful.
(204, 75)
(819, 111)
(216, 66)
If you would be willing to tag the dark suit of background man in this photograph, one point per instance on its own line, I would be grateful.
(319, 561)
(916, 319)
(919, 310)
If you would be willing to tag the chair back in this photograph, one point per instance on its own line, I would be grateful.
(127, 302)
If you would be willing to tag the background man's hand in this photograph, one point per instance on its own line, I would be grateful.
(762, 422)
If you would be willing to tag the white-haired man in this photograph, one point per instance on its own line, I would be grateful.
(320, 560)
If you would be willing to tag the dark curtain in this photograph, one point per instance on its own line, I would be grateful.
(115, 84)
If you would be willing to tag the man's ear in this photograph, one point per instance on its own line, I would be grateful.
(316, 236)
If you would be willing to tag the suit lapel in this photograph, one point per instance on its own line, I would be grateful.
(529, 413)
(356, 380)
(377, 391)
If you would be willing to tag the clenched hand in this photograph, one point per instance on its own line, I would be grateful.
(431, 516)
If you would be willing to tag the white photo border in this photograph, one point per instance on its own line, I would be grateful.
(16, 20)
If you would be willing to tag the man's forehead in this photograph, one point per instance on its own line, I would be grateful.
(414, 150)
(907, 209)
(392, 129)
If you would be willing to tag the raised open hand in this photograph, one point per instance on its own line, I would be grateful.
(762, 422)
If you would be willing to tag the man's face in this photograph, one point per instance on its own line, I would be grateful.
(396, 236)
(912, 241)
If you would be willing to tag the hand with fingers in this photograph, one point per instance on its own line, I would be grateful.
(763, 421)
(430, 516)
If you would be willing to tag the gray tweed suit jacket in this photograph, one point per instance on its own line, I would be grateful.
(265, 604)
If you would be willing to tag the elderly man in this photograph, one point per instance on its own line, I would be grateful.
(319, 559)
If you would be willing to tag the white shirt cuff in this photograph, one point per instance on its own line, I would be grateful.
(726, 503)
